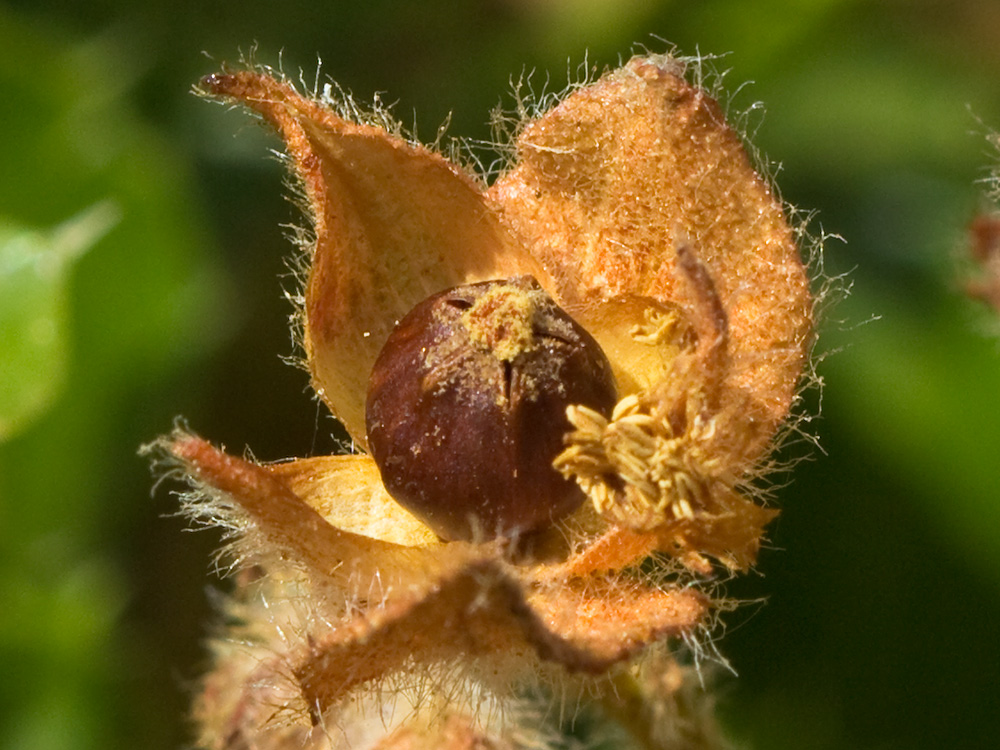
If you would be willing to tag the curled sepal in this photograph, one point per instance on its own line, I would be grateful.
(619, 176)
(394, 223)
(260, 504)
(484, 611)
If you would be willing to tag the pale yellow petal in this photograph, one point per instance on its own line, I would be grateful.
(641, 337)
(347, 491)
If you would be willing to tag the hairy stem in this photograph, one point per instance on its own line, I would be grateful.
(671, 716)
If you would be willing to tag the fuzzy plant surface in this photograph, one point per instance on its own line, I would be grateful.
(358, 620)
(984, 241)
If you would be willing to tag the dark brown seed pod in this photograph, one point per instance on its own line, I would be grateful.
(466, 408)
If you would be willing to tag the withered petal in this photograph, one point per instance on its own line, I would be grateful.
(483, 611)
(394, 223)
(297, 532)
(615, 178)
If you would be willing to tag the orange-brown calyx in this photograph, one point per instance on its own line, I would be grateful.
(637, 209)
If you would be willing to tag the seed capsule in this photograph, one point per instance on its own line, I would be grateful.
(466, 408)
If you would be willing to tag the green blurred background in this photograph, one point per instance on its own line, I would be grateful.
(141, 268)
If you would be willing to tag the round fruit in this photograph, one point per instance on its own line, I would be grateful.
(466, 408)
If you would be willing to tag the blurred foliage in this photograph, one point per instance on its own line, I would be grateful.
(883, 584)
(33, 270)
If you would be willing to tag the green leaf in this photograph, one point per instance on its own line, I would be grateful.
(34, 267)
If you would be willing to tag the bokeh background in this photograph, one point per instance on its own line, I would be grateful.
(141, 268)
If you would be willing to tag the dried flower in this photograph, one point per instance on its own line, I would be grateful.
(984, 240)
(984, 234)
(637, 209)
